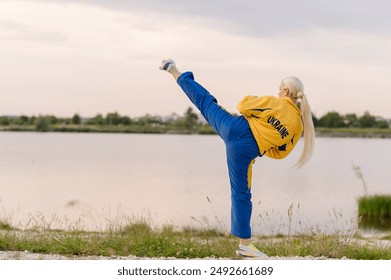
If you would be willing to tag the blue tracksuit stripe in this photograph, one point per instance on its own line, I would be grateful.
(241, 149)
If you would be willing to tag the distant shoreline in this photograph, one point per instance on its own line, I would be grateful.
(353, 132)
(320, 132)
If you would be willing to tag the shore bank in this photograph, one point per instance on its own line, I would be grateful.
(205, 130)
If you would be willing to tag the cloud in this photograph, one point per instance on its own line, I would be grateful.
(267, 18)
(106, 56)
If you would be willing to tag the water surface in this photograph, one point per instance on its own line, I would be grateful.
(92, 180)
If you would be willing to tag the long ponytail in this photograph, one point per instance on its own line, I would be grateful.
(296, 91)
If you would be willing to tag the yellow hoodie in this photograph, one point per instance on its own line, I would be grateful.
(275, 123)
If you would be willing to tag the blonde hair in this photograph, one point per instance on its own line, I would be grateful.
(296, 91)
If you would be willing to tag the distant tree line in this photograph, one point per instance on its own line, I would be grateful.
(189, 122)
(335, 120)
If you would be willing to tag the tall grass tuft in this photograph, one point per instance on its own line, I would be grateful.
(4, 225)
(374, 211)
(376, 206)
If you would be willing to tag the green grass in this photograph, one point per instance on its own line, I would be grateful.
(140, 239)
(137, 239)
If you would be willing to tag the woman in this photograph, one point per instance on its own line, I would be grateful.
(269, 126)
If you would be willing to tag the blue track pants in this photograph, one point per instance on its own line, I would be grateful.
(241, 150)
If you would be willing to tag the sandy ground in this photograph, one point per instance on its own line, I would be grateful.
(15, 255)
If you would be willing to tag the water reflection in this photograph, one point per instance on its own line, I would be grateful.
(382, 224)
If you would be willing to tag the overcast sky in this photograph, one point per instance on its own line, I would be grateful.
(88, 57)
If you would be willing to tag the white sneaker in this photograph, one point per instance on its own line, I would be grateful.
(167, 64)
(249, 251)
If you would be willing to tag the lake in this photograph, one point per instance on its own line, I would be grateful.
(96, 181)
